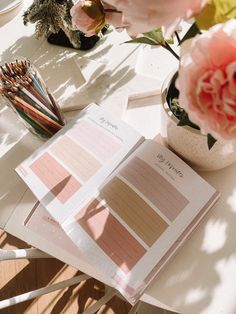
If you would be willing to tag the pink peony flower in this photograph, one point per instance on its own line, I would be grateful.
(141, 16)
(207, 81)
(88, 16)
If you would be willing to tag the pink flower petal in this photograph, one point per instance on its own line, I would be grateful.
(207, 81)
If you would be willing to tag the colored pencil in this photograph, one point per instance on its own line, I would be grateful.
(28, 95)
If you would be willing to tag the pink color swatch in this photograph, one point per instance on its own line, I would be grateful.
(101, 144)
(110, 235)
(154, 187)
(56, 178)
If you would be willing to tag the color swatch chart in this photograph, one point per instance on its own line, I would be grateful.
(75, 158)
(131, 213)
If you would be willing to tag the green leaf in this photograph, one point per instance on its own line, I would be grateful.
(154, 37)
(216, 11)
(180, 114)
(192, 32)
(157, 36)
(183, 121)
(141, 40)
(210, 141)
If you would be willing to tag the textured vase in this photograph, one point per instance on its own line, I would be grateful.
(190, 144)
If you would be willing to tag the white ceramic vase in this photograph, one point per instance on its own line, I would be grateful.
(190, 144)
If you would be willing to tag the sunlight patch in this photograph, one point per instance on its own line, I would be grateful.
(195, 295)
(214, 237)
(232, 201)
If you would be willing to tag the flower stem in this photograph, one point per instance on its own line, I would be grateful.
(177, 36)
(168, 47)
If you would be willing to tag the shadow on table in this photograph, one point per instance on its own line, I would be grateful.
(12, 129)
(12, 189)
(63, 76)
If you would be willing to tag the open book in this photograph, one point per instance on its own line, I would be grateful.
(126, 203)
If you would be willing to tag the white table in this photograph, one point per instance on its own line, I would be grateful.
(201, 278)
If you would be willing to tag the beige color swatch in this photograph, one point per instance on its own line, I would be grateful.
(76, 158)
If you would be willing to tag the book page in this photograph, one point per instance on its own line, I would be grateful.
(140, 216)
(72, 164)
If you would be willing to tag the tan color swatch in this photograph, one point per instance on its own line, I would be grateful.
(76, 158)
(137, 214)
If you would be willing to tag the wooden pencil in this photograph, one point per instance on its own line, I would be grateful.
(42, 126)
(36, 116)
(36, 111)
(56, 110)
(33, 124)
(39, 103)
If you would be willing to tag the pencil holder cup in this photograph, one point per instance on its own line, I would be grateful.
(23, 89)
